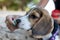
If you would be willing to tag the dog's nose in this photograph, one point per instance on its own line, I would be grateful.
(18, 21)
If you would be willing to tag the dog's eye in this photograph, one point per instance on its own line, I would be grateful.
(33, 16)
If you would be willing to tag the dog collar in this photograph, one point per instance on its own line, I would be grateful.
(55, 31)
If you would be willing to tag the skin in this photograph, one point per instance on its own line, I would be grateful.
(9, 22)
(42, 3)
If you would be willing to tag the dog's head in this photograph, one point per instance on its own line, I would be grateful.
(38, 20)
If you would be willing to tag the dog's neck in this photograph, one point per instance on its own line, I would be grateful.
(53, 33)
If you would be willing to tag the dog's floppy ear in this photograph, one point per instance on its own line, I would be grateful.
(43, 26)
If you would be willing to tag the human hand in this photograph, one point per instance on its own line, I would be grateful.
(10, 22)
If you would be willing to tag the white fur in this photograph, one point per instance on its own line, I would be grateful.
(24, 24)
(57, 37)
(49, 35)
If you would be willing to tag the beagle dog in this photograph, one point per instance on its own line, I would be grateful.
(38, 21)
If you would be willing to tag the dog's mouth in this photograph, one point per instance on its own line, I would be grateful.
(22, 25)
(16, 22)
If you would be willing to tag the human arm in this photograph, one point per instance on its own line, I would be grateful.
(42, 3)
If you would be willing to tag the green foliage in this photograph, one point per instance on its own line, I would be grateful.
(16, 4)
(36, 1)
(13, 6)
(2, 0)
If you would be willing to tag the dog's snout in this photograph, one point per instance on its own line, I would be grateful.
(18, 21)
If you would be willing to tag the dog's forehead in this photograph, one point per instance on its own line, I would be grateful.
(32, 10)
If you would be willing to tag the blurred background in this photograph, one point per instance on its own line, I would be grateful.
(23, 5)
(19, 7)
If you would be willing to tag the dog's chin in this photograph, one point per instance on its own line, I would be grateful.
(24, 27)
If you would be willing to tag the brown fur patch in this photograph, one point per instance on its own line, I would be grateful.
(43, 24)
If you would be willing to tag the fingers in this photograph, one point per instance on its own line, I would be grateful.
(9, 19)
(9, 22)
(11, 27)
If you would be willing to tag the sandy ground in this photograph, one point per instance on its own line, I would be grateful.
(19, 34)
